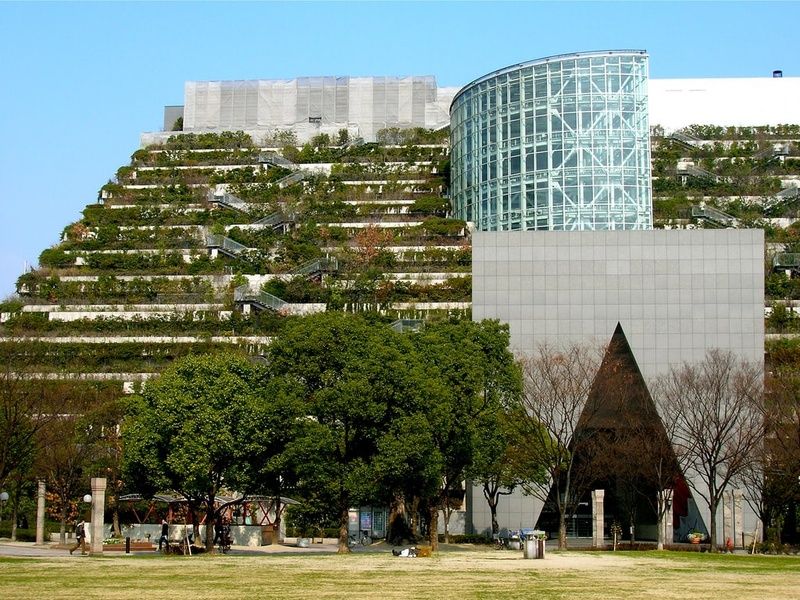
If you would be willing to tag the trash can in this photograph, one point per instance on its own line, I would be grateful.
(529, 546)
(267, 535)
(539, 549)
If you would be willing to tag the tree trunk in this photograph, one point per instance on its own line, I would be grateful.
(115, 522)
(276, 524)
(713, 527)
(344, 519)
(14, 512)
(562, 529)
(493, 510)
(433, 531)
(414, 515)
(211, 520)
(194, 509)
(661, 510)
(62, 531)
(396, 526)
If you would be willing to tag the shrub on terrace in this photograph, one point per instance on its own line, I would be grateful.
(87, 358)
(431, 205)
(11, 304)
(225, 139)
(439, 226)
(56, 258)
(715, 132)
(395, 136)
(205, 323)
(297, 289)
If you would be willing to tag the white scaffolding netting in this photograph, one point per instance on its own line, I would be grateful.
(366, 103)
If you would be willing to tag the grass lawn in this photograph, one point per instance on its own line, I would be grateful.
(463, 574)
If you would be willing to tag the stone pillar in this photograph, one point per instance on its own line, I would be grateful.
(738, 518)
(597, 518)
(40, 513)
(665, 496)
(727, 519)
(98, 511)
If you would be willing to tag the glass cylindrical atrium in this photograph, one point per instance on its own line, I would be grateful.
(559, 143)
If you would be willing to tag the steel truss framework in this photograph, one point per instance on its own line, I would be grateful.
(560, 143)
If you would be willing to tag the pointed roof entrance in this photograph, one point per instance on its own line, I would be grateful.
(619, 397)
(621, 446)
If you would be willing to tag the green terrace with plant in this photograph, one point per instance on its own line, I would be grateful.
(76, 357)
(154, 245)
(45, 286)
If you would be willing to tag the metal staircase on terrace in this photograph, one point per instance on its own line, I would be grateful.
(259, 300)
(786, 260)
(291, 178)
(276, 160)
(224, 244)
(228, 201)
(317, 267)
(788, 193)
(685, 139)
(772, 151)
(276, 220)
(695, 171)
(717, 217)
(411, 325)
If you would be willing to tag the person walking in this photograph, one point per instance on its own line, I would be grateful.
(164, 539)
(80, 538)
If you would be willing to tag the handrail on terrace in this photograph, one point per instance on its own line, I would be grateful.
(790, 192)
(403, 325)
(696, 171)
(214, 240)
(707, 212)
(227, 199)
(317, 265)
(273, 158)
(685, 138)
(786, 259)
(243, 294)
(274, 219)
(291, 178)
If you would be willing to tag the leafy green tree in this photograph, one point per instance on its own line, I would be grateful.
(185, 432)
(476, 376)
(498, 444)
(349, 373)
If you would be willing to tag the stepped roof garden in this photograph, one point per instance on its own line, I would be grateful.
(209, 241)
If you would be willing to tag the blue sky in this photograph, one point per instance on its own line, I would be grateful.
(81, 81)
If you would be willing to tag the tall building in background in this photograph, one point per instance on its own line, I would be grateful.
(551, 162)
(311, 105)
(558, 143)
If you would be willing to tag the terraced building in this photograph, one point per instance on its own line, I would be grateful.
(209, 240)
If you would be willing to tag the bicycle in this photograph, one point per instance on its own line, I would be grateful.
(225, 540)
(500, 543)
(362, 538)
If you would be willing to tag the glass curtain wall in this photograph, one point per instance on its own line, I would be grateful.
(560, 143)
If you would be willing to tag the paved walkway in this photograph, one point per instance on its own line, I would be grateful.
(29, 549)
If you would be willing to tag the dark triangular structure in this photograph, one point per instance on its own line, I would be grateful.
(621, 446)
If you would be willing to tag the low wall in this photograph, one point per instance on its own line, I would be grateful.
(243, 535)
